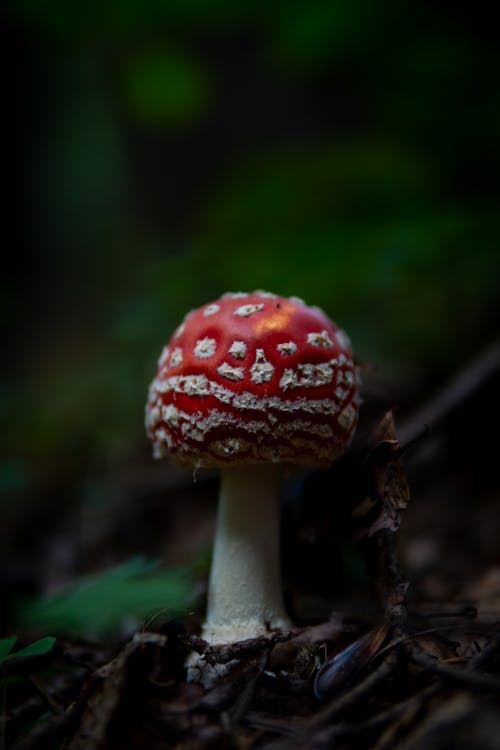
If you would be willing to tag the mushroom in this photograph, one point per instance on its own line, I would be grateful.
(251, 383)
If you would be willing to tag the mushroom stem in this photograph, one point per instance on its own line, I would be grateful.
(244, 599)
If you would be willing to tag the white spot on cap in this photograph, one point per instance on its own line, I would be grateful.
(194, 385)
(212, 421)
(163, 356)
(297, 300)
(170, 415)
(229, 446)
(163, 437)
(179, 330)
(342, 359)
(262, 370)
(238, 349)
(153, 416)
(211, 310)
(230, 372)
(199, 385)
(158, 451)
(205, 348)
(307, 376)
(343, 339)
(191, 432)
(176, 358)
(246, 310)
(287, 349)
(288, 380)
(160, 447)
(248, 400)
(320, 339)
(315, 375)
(347, 416)
(159, 385)
(346, 376)
(225, 395)
(266, 295)
(235, 295)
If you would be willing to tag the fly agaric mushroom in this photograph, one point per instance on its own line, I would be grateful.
(249, 383)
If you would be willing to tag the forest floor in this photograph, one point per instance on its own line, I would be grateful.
(405, 654)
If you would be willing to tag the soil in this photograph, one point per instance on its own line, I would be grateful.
(396, 597)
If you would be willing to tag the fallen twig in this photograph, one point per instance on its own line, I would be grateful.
(336, 707)
(326, 738)
(466, 678)
(454, 393)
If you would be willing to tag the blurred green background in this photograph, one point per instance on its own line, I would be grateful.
(166, 152)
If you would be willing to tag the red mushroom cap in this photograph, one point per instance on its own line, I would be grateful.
(254, 378)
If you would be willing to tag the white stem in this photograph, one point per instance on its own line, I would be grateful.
(244, 599)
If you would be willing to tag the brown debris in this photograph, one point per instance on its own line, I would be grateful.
(421, 678)
(110, 681)
(390, 486)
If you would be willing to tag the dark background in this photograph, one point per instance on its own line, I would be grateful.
(159, 154)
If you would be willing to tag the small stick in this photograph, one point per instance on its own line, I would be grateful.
(336, 707)
(326, 738)
(454, 393)
(463, 677)
(488, 651)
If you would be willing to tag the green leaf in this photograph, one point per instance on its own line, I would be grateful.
(101, 605)
(38, 648)
(6, 645)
